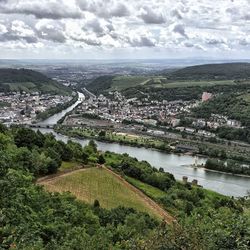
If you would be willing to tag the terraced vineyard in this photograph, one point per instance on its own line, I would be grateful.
(100, 184)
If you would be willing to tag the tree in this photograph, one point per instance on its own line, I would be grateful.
(101, 159)
(93, 145)
(96, 204)
(102, 133)
(25, 137)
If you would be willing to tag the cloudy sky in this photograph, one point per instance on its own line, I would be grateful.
(108, 29)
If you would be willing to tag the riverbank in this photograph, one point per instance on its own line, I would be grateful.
(116, 137)
(60, 107)
(133, 140)
(177, 164)
(221, 172)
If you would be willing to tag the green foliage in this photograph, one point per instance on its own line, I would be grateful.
(140, 170)
(100, 84)
(231, 105)
(101, 159)
(229, 166)
(29, 81)
(223, 71)
(238, 134)
(31, 218)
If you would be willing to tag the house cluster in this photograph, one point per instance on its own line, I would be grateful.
(216, 121)
(117, 109)
(23, 107)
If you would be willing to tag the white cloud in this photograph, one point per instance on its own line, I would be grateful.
(189, 26)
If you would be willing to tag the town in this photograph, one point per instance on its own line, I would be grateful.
(153, 117)
(24, 108)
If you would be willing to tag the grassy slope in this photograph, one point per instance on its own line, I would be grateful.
(122, 82)
(178, 84)
(68, 165)
(93, 183)
(157, 194)
(125, 82)
(29, 81)
(152, 192)
(200, 75)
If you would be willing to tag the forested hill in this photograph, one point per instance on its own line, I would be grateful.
(100, 84)
(29, 81)
(224, 71)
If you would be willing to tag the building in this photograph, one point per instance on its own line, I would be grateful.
(206, 96)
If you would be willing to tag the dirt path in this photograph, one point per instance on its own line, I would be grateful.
(60, 174)
(151, 203)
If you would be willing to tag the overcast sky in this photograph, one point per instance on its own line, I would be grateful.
(108, 29)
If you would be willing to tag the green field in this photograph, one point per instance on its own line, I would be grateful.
(95, 183)
(123, 82)
(153, 192)
(68, 165)
(24, 86)
(188, 83)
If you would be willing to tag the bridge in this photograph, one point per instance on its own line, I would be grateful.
(37, 125)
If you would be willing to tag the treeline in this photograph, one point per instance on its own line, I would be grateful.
(37, 153)
(142, 170)
(223, 71)
(236, 134)
(228, 166)
(181, 93)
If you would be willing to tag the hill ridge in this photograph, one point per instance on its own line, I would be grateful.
(235, 70)
(29, 81)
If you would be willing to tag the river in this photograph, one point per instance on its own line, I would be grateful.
(52, 120)
(178, 165)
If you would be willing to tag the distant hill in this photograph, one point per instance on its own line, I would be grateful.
(112, 83)
(224, 71)
(100, 84)
(29, 81)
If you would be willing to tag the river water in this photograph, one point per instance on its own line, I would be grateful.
(52, 120)
(178, 165)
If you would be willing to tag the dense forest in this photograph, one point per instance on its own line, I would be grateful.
(100, 84)
(32, 218)
(29, 81)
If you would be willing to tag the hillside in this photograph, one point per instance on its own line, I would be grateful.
(100, 84)
(99, 184)
(29, 81)
(224, 71)
(33, 218)
(187, 83)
